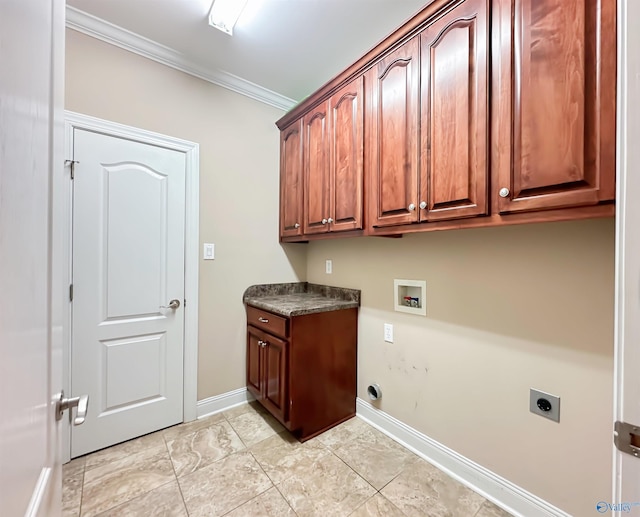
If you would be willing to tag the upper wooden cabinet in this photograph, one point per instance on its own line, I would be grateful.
(554, 112)
(346, 108)
(316, 170)
(429, 123)
(455, 114)
(473, 113)
(334, 162)
(291, 180)
(393, 90)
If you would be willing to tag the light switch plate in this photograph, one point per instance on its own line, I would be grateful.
(388, 332)
(328, 266)
(209, 251)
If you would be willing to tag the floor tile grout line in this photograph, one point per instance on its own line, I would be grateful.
(248, 501)
(354, 471)
(272, 482)
(136, 453)
(175, 474)
(132, 499)
(82, 488)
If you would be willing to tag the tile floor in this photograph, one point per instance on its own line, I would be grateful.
(243, 463)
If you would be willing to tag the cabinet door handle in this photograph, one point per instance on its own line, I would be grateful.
(330, 220)
(262, 343)
(423, 205)
(296, 226)
(324, 221)
(412, 206)
(263, 320)
(504, 192)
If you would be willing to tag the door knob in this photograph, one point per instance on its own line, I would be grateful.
(412, 206)
(82, 403)
(504, 192)
(324, 221)
(423, 205)
(330, 220)
(173, 304)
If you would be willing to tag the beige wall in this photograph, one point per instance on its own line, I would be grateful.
(507, 309)
(238, 183)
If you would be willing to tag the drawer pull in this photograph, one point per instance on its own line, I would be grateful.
(263, 320)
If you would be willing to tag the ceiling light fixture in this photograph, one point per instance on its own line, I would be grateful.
(225, 13)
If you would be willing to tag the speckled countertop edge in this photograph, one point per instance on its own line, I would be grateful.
(299, 298)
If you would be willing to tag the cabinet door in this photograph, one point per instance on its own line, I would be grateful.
(254, 363)
(393, 86)
(275, 376)
(557, 73)
(291, 181)
(346, 107)
(316, 171)
(454, 108)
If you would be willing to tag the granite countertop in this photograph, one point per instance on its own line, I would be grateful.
(296, 299)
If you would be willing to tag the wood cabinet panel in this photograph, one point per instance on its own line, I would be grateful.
(563, 138)
(393, 86)
(254, 374)
(291, 174)
(275, 376)
(454, 108)
(347, 156)
(267, 371)
(316, 170)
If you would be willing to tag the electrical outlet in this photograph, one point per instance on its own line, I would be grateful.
(388, 332)
(328, 266)
(544, 404)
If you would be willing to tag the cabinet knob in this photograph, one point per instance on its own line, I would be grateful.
(330, 220)
(412, 206)
(504, 192)
(423, 205)
(324, 221)
(296, 226)
(262, 343)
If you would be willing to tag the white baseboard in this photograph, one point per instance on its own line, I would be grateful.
(496, 489)
(213, 405)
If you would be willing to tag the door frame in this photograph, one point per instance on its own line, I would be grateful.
(627, 329)
(191, 150)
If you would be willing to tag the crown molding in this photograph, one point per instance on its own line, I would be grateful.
(127, 40)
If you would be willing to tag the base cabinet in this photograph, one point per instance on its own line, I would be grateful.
(303, 369)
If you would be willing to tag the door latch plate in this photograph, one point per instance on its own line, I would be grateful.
(627, 438)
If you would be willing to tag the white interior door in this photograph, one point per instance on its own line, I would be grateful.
(128, 265)
(31, 86)
(626, 493)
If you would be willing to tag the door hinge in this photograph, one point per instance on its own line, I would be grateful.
(185, 303)
(70, 292)
(72, 166)
(627, 438)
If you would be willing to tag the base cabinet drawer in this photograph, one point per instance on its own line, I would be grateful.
(267, 321)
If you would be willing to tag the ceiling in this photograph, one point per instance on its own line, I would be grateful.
(290, 47)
